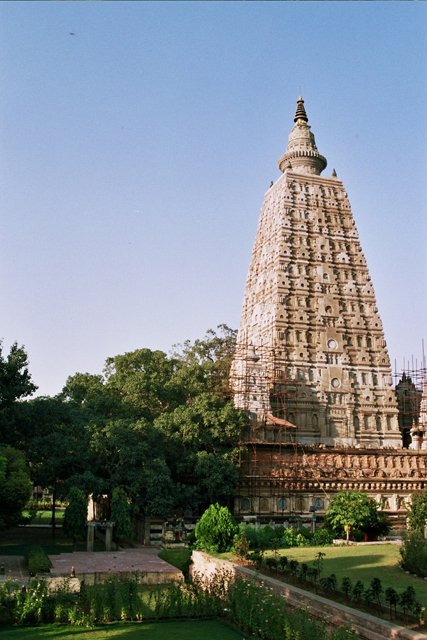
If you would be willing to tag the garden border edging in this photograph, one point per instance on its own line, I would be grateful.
(369, 626)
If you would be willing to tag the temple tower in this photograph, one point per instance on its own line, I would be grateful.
(310, 322)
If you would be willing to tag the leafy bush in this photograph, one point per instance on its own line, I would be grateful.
(271, 562)
(240, 545)
(279, 531)
(417, 511)
(322, 537)
(251, 536)
(305, 533)
(268, 532)
(179, 558)
(291, 538)
(37, 561)
(216, 529)
(414, 553)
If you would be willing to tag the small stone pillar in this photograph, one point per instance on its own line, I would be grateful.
(90, 535)
(108, 535)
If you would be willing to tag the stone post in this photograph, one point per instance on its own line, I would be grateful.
(108, 535)
(90, 535)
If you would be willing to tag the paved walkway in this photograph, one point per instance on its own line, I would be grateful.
(143, 559)
(15, 568)
(128, 560)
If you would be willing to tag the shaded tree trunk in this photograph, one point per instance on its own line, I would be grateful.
(53, 509)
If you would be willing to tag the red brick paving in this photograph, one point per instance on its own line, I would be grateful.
(128, 560)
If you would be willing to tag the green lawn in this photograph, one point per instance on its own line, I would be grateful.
(358, 563)
(44, 516)
(214, 629)
(362, 563)
(15, 541)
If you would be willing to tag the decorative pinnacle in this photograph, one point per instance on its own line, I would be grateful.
(300, 112)
(301, 151)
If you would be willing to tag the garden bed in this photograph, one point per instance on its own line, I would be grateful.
(254, 609)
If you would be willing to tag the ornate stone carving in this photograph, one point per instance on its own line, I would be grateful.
(309, 303)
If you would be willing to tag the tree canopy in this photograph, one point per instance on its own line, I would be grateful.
(15, 486)
(15, 384)
(75, 516)
(354, 510)
(162, 428)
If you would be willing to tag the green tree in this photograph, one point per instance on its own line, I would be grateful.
(417, 511)
(392, 597)
(201, 447)
(15, 384)
(75, 516)
(346, 586)
(351, 510)
(216, 529)
(129, 454)
(377, 590)
(406, 601)
(15, 486)
(120, 514)
(142, 381)
(207, 362)
(57, 448)
(160, 427)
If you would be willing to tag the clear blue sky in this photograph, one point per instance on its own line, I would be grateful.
(135, 156)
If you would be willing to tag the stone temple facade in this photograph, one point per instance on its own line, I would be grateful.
(311, 363)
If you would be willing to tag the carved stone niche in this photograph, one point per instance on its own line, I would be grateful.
(174, 535)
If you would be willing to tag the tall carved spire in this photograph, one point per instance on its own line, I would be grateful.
(302, 152)
(310, 313)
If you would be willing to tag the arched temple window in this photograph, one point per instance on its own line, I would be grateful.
(283, 504)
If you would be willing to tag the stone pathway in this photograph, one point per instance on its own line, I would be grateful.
(143, 560)
(15, 568)
(89, 565)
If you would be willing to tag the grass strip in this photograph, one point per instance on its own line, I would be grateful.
(213, 629)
